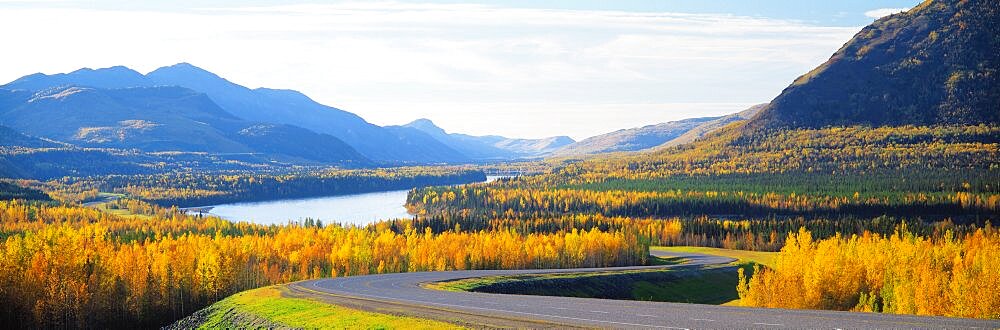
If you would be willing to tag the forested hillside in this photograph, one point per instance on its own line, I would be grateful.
(843, 178)
(934, 64)
(51, 163)
(12, 138)
(13, 190)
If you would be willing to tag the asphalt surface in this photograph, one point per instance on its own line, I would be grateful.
(406, 289)
(105, 199)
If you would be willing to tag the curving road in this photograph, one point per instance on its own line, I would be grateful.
(403, 292)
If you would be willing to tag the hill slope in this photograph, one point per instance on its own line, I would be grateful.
(651, 136)
(714, 125)
(633, 139)
(11, 138)
(935, 64)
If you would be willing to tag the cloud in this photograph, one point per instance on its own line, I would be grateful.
(883, 12)
(517, 70)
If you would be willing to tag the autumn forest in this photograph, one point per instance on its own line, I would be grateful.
(134, 262)
(871, 183)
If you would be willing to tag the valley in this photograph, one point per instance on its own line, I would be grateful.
(864, 195)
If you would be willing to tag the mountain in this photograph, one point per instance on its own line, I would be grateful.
(426, 145)
(489, 147)
(653, 136)
(164, 118)
(427, 126)
(262, 105)
(938, 63)
(151, 119)
(298, 142)
(113, 77)
(294, 108)
(474, 146)
(535, 147)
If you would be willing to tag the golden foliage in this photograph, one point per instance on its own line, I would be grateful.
(901, 273)
(63, 266)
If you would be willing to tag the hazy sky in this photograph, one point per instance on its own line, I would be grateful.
(515, 68)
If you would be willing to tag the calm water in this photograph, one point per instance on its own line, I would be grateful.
(357, 209)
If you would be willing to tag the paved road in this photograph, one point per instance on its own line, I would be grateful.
(102, 200)
(404, 289)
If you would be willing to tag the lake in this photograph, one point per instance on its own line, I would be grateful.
(358, 209)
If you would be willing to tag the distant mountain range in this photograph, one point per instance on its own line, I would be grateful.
(490, 146)
(938, 63)
(284, 113)
(184, 108)
(163, 118)
(294, 108)
(653, 136)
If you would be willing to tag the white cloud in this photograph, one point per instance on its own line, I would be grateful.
(883, 12)
(471, 68)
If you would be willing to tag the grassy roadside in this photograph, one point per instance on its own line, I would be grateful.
(477, 283)
(708, 286)
(659, 261)
(268, 308)
(103, 203)
(711, 285)
(763, 258)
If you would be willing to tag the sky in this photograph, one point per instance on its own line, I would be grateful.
(516, 68)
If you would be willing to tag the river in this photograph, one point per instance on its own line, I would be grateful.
(358, 209)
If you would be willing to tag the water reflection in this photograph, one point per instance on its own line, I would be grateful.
(359, 209)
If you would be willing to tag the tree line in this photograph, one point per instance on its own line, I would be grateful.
(75, 267)
(832, 180)
(532, 203)
(184, 189)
